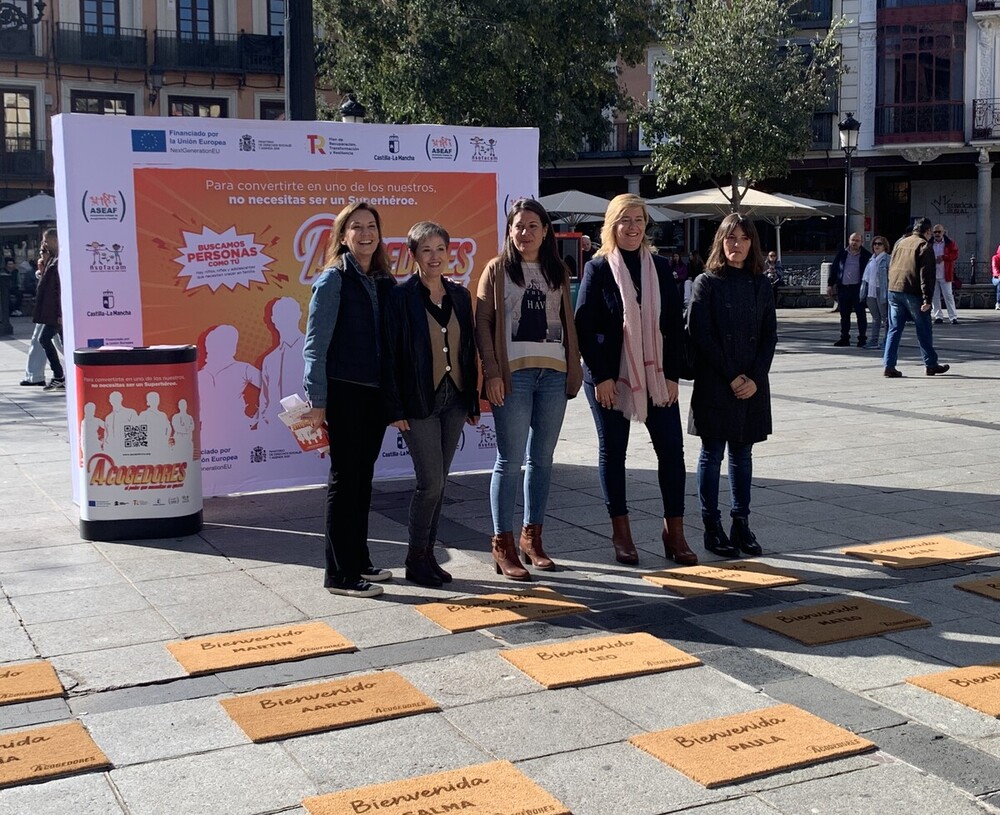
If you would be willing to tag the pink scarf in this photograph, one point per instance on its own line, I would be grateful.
(641, 369)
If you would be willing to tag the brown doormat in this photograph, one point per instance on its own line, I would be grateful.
(736, 748)
(977, 687)
(497, 788)
(575, 662)
(470, 613)
(913, 553)
(990, 587)
(295, 711)
(47, 752)
(28, 681)
(692, 581)
(850, 618)
(241, 649)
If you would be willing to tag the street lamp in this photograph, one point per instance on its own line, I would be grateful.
(352, 111)
(849, 128)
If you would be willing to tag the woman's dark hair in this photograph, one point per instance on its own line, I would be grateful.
(335, 249)
(717, 255)
(553, 269)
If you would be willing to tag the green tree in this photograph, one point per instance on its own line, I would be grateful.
(553, 65)
(736, 93)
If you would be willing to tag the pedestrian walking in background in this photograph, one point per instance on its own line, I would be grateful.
(48, 308)
(996, 276)
(875, 291)
(945, 255)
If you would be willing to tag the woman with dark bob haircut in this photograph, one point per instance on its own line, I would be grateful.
(733, 331)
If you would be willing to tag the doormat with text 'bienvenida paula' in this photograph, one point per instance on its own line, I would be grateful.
(48, 752)
(977, 687)
(748, 745)
(497, 788)
(849, 618)
(487, 610)
(913, 553)
(242, 649)
(577, 662)
(347, 702)
(28, 681)
(990, 587)
(692, 581)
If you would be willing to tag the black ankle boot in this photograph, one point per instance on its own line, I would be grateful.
(716, 540)
(743, 538)
(420, 571)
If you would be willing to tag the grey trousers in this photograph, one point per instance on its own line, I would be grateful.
(879, 310)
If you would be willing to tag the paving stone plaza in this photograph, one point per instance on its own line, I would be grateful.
(855, 459)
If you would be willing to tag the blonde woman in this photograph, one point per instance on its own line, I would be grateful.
(875, 291)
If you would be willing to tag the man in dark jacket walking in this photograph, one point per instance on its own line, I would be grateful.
(844, 284)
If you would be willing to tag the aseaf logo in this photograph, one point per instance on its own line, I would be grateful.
(442, 148)
(103, 206)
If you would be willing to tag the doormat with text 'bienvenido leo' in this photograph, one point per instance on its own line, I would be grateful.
(691, 581)
(347, 702)
(849, 618)
(28, 681)
(242, 649)
(977, 687)
(47, 752)
(577, 662)
(497, 788)
(485, 611)
(913, 553)
(748, 745)
(990, 587)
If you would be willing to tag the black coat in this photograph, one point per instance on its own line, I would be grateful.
(48, 296)
(408, 370)
(600, 321)
(733, 331)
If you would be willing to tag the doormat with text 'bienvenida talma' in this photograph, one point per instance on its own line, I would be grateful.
(577, 662)
(849, 618)
(242, 649)
(913, 553)
(748, 745)
(347, 702)
(28, 681)
(977, 687)
(497, 788)
(990, 587)
(470, 613)
(691, 581)
(47, 752)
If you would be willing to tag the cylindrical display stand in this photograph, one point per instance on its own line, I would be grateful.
(140, 453)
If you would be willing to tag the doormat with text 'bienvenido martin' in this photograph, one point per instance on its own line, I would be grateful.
(242, 649)
(913, 553)
(849, 618)
(28, 681)
(497, 788)
(347, 702)
(487, 610)
(692, 581)
(577, 662)
(748, 745)
(990, 587)
(977, 687)
(48, 752)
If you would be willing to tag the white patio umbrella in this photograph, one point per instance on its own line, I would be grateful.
(38, 209)
(574, 207)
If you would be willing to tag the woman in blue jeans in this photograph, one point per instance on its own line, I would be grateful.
(531, 365)
(733, 330)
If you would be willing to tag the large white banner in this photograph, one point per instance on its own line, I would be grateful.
(211, 232)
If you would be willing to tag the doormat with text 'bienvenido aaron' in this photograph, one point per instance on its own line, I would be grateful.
(242, 649)
(913, 553)
(48, 752)
(748, 745)
(470, 613)
(977, 687)
(577, 662)
(346, 702)
(990, 587)
(849, 618)
(28, 681)
(497, 788)
(691, 581)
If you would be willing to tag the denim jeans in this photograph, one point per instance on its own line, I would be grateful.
(47, 340)
(432, 442)
(879, 309)
(34, 369)
(664, 426)
(903, 307)
(527, 424)
(740, 476)
(996, 284)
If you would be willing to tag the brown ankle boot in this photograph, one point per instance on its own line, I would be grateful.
(621, 539)
(505, 557)
(675, 546)
(531, 548)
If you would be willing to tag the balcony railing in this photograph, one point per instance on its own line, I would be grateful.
(94, 45)
(987, 5)
(17, 43)
(986, 119)
(928, 121)
(262, 54)
(812, 13)
(624, 138)
(25, 158)
(217, 53)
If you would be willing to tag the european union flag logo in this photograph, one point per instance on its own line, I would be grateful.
(149, 141)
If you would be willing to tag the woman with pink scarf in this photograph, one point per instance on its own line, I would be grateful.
(630, 328)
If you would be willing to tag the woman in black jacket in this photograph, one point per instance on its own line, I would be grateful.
(733, 330)
(631, 333)
(430, 384)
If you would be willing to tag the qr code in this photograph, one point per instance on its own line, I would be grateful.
(136, 435)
